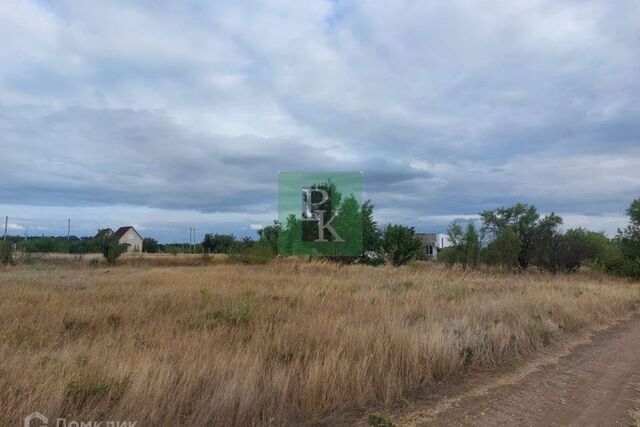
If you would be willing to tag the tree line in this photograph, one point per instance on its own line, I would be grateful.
(512, 238)
(518, 237)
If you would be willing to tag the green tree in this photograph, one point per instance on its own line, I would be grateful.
(448, 255)
(578, 246)
(150, 245)
(629, 238)
(471, 246)
(109, 245)
(465, 246)
(628, 243)
(371, 235)
(504, 249)
(261, 253)
(290, 237)
(401, 244)
(526, 223)
(269, 235)
(6, 252)
(218, 243)
(348, 221)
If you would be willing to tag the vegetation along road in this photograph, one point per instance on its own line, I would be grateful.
(596, 382)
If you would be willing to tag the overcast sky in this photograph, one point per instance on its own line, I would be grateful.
(167, 115)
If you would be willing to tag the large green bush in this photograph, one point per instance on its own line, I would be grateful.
(401, 244)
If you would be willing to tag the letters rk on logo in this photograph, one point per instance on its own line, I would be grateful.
(320, 213)
(316, 209)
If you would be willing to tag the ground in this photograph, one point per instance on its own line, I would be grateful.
(590, 381)
(192, 340)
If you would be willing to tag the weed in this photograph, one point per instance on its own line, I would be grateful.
(379, 421)
(466, 354)
(237, 312)
(74, 324)
(81, 392)
(114, 321)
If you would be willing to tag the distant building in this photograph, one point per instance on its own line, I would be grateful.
(129, 237)
(432, 243)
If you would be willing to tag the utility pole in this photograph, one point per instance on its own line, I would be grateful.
(68, 228)
(194, 240)
(6, 223)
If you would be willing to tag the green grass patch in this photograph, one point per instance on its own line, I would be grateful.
(379, 421)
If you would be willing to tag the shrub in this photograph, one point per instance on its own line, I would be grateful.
(260, 253)
(113, 251)
(401, 244)
(109, 245)
(218, 243)
(466, 354)
(6, 253)
(379, 421)
(235, 312)
(150, 245)
(171, 249)
(449, 256)
(465, 247)
(504, 249)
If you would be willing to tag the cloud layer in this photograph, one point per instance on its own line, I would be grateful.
(447, 108)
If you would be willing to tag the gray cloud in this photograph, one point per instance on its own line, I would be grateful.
(447, 108)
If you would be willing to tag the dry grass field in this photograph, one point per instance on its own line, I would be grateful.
(286, 342)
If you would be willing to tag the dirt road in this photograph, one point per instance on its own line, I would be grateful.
(595, 382)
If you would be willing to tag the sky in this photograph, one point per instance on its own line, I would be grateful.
(170, 115)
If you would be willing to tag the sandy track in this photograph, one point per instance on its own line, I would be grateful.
(594, 382)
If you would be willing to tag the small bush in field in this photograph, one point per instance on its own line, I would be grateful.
(235, 314)
(6, 253)
(379, 421)
(260, 253)
(466, 354)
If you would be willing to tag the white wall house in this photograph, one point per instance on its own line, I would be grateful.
(129, 237)
(432, 243)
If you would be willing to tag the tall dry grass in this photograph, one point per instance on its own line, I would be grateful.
(287, 342)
